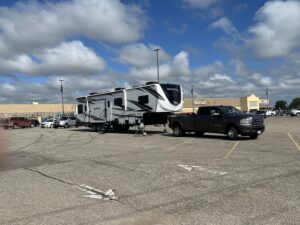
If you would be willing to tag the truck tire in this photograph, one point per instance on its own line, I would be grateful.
(232, 133)
(177, 130)
(298, 114)
(14, 126)
(66, 125)
(253, 136)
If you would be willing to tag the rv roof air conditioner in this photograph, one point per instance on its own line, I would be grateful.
(151, 82)
(119, 89)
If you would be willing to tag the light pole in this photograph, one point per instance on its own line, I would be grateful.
(157, 65)
(192, 91)
(267, 94)
(62, 96)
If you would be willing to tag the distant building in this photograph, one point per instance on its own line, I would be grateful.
(34, 110)
(244, 103)
(264, 103)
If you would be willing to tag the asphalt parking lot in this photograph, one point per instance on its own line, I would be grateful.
(74, 176)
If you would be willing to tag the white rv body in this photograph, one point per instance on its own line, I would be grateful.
(150, 104)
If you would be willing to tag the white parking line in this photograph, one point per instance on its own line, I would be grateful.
(200, 168)
(175, 146)
(96, 193)
(231, 150)
(293, 140)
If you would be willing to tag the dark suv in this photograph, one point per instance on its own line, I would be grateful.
(15, 122)
(218, 119)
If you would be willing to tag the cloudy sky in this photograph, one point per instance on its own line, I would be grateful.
(225, 48)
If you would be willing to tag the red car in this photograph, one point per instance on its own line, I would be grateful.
(15, 122)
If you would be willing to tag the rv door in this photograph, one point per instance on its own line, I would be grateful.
(97, 110)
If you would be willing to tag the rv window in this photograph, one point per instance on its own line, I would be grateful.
(118, 101)
(144, 99)
(108, 104)
(79, 109)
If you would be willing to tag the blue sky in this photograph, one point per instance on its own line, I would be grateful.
(228, 48)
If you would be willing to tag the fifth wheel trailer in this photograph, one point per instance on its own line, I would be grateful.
(124, 107)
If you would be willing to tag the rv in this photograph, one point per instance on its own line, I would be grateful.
(124, 107)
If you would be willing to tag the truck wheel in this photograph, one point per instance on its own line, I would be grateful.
(298, 114)
(232, 133)
(66, 125)
(253, 136)
(177, 131)
(14, 126)
(31, 126)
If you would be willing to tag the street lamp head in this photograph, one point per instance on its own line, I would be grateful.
(156, 50)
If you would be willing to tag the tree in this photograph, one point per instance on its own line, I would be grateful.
(295, 104)
(280, 104)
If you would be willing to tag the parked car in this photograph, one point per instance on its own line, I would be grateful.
(295, 112)
(66, 122)
(48, 123)
(262, 112)
(15, 122)
(218, 119)
(35, 122)
(4, 123)
(270, 112)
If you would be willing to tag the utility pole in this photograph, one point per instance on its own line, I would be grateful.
(157, 65)
(192, 91)
(267, 94)
(62, 96)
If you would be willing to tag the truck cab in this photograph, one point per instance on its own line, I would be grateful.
(218, 119)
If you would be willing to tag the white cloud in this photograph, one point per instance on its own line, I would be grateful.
(23, 92)
(208, 70)
(226, 25)
(240, 68)
(200, 4)
(67, 59)
(53, 22)
(139, 54)
(277, 31)
(178, 68)
(261, 80)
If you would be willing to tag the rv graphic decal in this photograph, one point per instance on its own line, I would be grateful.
(127, 116)
(141, 106)
(153, 92)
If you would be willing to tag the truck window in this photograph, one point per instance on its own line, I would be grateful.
(79, 109)
(118, 101)
(144, 99)
(204, 111)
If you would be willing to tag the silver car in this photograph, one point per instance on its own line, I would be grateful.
(66, 122)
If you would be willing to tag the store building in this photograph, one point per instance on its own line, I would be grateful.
(34, 110)
(244, 103)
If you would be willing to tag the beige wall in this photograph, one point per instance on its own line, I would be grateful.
(198, 102)
(7, 110)
(250, 102)
(243, 103)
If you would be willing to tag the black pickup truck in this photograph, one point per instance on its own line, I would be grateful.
(218, 119)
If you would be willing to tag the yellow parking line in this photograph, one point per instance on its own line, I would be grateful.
(175, 146)
(231, 150)
(293, 140)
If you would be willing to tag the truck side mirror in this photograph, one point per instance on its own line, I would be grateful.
(213, 113)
